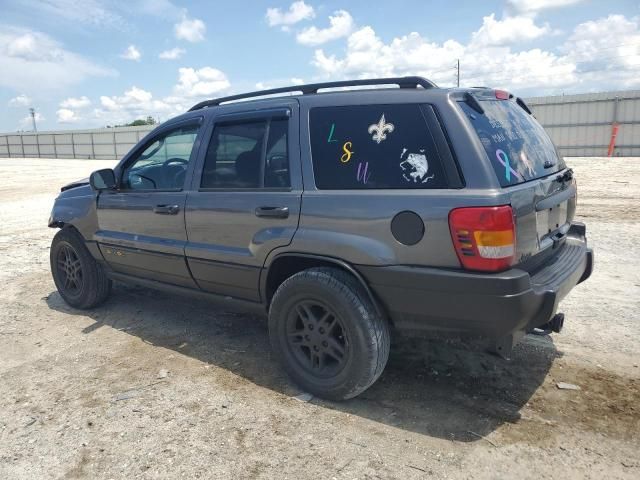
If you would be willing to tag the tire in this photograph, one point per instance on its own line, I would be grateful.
(80, 280)
(348, 347)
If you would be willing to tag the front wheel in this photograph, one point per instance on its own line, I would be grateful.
(327, 333)
(80, 280)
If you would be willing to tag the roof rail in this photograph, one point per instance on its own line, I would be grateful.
(402, 82)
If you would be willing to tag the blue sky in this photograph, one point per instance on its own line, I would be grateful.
(85, 63)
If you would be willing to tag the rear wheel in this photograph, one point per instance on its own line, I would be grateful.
(80, 280)
(327, 333)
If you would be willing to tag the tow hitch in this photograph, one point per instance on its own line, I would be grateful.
(503, 346)
(554, 325)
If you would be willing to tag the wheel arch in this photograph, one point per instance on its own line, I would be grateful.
(284, 265)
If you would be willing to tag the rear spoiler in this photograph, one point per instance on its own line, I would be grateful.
(473, 102)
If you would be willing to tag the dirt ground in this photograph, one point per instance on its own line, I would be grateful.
(81, 395)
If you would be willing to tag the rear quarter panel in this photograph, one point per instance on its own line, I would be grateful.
(355, 225)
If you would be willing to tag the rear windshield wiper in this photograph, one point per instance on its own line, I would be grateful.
(549, 164)
(524, 106)
(473, 103)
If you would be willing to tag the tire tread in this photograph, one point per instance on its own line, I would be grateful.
(375, 325)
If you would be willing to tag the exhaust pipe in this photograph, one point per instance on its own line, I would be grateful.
(554, 325)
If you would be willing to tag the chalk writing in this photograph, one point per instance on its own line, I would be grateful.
(503, 158)
(363, 172)
(346, 156)
(380, 129)
(415, 168)
(498, 137)
(330, 139)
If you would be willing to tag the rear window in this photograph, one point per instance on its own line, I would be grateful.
(517, 146)
(372, 147)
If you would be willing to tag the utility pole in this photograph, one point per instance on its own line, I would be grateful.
(32, 112)
(458, 73)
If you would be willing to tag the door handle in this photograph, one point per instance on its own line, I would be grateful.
(272, 212)
(166, 209)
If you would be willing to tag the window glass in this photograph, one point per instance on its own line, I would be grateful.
(235, 156)
(518, 147)
(163, 164)
(276, 172)
(373, 146)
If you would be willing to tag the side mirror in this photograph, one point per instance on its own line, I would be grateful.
(104, 179)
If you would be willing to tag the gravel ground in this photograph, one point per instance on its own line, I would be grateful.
(156, 386)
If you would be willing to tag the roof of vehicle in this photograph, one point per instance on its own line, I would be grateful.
(313, 88)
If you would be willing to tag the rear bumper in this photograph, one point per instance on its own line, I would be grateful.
(494, 305)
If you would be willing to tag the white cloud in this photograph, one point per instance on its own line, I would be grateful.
(27, 122)
(131, 53)
(65, 115)
(79, 102)
(368, 56)
(134, 103)
(190, 29)
(32, 56)
(193, 86)
(297, 81)
(534, 6)
(297, 12)
(508, 31)
(172, 54)
(340, 25)
(603, 54)
(202, 82)
(85, 12)
(607, 51)
(21, 100)
(133, 97)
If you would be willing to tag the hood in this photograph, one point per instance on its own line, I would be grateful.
(77, 183)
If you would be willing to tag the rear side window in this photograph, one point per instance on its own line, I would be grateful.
(372, 147)
(517, 146)
(236, 156)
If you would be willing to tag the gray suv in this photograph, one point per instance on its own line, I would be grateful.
(344, 215)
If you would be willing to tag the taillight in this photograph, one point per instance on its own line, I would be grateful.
(484, 237)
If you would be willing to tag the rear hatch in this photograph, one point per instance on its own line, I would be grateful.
(528, 167)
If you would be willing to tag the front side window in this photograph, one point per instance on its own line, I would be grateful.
(162, 165)
(236, 156)
(373, 147)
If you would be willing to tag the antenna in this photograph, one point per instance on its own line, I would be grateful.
(32, 112)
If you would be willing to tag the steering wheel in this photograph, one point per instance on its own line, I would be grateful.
(174, 180)
(175, 160)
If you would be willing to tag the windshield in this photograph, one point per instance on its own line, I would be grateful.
(517, 146)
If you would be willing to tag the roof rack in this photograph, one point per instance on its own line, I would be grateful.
(402, 82)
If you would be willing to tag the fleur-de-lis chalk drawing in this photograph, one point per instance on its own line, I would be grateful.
(380, 130)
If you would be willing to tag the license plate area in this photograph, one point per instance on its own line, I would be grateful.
(549, 220)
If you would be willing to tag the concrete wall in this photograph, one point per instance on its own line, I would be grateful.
(581, 125)
(101, 143)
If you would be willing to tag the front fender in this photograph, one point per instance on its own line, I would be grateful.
(75, 207)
